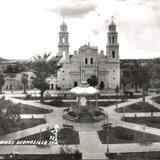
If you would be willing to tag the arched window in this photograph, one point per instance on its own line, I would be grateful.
(75, 84)
(63, 40)
(64, 54)
(91, 60)
(52, 86)
(112, 39)
(113, 54)
(10, 87)
(101, 86)
(86, 60)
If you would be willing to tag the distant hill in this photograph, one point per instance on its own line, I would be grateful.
(2, 59)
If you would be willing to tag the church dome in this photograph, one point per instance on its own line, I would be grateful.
(112, 26)
(63, 27)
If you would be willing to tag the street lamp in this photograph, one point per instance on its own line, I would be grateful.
(124, 110)
(117, 91)
(105, 127)
(144, 131)
(40, 135)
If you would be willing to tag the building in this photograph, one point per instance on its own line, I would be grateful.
(87, 61)
(13, 82)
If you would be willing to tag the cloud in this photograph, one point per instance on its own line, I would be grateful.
(95, 32)
(78, 8)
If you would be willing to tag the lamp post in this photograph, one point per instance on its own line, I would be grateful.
(40, 135)
(117, 91)
(144, 131)
(124, 110)
(107, 145)
(45, 117)
(105, 127)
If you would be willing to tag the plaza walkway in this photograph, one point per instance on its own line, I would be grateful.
(90, 144)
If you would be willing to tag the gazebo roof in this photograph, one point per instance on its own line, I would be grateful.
(84, 90)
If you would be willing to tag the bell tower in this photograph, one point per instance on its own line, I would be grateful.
(63, 44)
(112, 47)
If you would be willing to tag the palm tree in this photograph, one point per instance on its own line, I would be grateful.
(43, 67)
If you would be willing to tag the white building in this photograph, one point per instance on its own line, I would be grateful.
(88, 61)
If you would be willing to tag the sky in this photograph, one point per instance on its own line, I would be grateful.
(30, 27)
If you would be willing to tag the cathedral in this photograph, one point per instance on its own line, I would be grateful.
(87, 61)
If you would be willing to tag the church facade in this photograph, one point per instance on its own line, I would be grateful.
(87, 61)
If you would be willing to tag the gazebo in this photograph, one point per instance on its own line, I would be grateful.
(84, 92)
(86, 102)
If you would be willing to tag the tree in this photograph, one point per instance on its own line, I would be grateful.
(155, 72)
(43, 67)
(17, 68)
(125, 79)
(145, 77)
(93, 80)
(24, 80)
(2, 81)
(135, 74)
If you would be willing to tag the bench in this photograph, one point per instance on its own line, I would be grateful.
(66, 110)
(68, 126)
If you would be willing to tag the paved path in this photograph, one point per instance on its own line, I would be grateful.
(88, 147)
(90, 144)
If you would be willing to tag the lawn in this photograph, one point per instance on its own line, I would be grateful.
(148, 121)
(156, 99)
(68, 104)
(26, 109)
(108, 103)
(22, 108)
(65, 136)
(136, 156)
(9, 125)
(138, 107)
(119, 97)
(124, 135)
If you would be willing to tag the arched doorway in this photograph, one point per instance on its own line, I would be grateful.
(52, 86)
(75, 84)
(101, 86)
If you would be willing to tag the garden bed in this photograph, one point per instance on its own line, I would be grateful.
(152, 155)
(68, 104)
(107, 103)
(148, 121)
(138, 107)
(124, 135)
(22, 108)
(9, 125)
(65, 136)
(119, 97)
(156, 99)
(68, 156)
